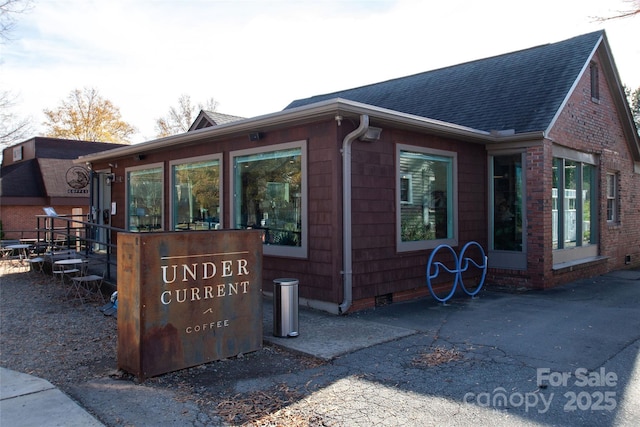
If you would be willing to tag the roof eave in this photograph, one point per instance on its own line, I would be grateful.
(620, 99)
(293, 116)
(201, 116)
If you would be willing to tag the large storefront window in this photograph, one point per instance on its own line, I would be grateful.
(196, 195)
(269, 195)
(426, 198)
(573, 212)
(145, 198)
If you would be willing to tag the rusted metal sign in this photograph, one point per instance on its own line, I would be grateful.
(187, 298)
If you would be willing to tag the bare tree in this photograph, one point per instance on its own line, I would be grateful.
(180, 118)
(86, 116)
(633, 96)
(8, 10)
(634, 9)
(12, 128)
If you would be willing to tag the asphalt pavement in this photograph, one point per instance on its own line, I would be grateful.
(565, 356)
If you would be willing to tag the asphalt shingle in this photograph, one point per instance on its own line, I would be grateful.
(521, 90)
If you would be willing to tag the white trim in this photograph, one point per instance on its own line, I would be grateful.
(510, 260)
(197, 159)
(277, 250)
(126, 192)
(561, 256)
(409, 179)
(614, 197)
(324, 109)
(17, 153)
(575, 155)
(427, 244)
(569, 93)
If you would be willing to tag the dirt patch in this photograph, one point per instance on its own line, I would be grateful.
(436, 357)
(46, 334)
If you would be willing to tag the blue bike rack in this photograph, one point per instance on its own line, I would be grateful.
(462, 264)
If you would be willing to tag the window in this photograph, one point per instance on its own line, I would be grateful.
(269, 194)
(145, 198)
(612, 198)
(507, 203)
(572, 209)
(588, 175)
(426, 195)
(406, 193)
(595, 85)
(195, 184)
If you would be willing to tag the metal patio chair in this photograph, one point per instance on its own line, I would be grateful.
(89, 281)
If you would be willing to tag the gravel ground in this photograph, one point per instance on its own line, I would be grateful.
(495, 343)
(45, 333)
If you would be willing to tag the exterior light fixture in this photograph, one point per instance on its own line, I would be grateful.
(372, 134)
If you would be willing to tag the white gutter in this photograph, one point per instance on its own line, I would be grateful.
(347, 282)
(302, 114)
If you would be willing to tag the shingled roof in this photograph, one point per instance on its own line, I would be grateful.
(520, 91)
(22, 180)
(212, 118)
(55, 148)
(39, 176)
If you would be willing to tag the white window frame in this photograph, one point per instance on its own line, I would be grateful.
(418, 245)
(127, 171)
(562, 255)
(199, 159)
(409, 180)
(612, 187)
(277, 250)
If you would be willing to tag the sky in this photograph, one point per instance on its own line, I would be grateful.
(254, 57)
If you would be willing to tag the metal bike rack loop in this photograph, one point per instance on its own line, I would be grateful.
(462, 264)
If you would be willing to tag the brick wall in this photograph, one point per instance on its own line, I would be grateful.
(595, 127)
(19, 222)
(539, 228)
(592, 127)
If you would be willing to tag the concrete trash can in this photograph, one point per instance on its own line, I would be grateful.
(285, 307)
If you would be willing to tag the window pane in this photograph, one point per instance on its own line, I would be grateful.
(507, 188)
(196, 195)
(145, 199)
(405, 189)
(587, 196)
(557, 166)
(429, 214)
(611, 197)
(569, 203)
(268, 195)
(613, 186)
(575, 209)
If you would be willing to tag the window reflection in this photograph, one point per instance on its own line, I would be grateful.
(572, 208)
(268, 195)
(507, 196)
(425, 196)
(196, 195)
(145, 199)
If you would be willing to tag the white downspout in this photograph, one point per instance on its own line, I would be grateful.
(346, 212)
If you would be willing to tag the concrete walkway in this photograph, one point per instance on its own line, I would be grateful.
(521, 343)
(29, 401)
